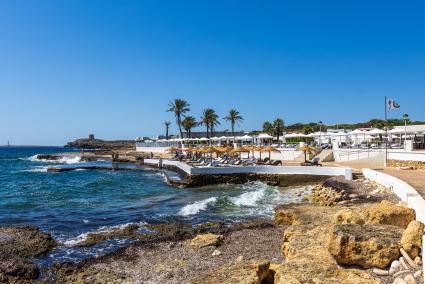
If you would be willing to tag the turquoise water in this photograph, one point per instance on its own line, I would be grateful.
(70, 204)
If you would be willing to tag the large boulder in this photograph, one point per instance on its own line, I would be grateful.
(367, 246)
(204, 240)
(411, 240)
(254, 272)
(387, 213)
(348, 216)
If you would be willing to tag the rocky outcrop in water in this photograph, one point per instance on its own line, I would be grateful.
(16, 245)
(101, 144)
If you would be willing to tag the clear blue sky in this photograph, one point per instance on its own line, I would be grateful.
(70, 68)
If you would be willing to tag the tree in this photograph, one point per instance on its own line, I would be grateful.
(307, 129)
(278, 125)
(179, 107)
(268, 127)
(188, 123)
(234, 117)
(210, 119)
(167, 125)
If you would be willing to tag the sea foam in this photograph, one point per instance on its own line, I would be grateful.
(63, 160)
(194, 208)
(249, 198)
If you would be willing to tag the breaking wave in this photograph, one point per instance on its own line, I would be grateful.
(249, 198)
(63, 160)
(194, 208)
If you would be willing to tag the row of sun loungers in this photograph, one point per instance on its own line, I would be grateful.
(228, 161)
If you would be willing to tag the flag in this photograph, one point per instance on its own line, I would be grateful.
(392, 104)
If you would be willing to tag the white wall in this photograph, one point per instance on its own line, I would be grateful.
(152, 149)
(402, 189)
(284, 154)
(407, 156)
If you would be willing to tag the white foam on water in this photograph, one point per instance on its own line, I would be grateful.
(63, 160)
(36, 170)
(196, 207)
(249, 198)
(104, 229)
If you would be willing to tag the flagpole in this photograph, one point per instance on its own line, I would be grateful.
(386, 134)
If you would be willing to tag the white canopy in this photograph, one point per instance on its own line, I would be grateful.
(396, 131)
(376, 131)
(357, 131)
(264, 136)
(203, 139)
(244, 138)
(291, 135)
(215, 138)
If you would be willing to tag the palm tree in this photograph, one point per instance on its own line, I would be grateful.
(214, 121)
(179, 107)
(167, 127)
(188, 123)
(278, 125)
(234, 117)
(268, 127)
(210, 119)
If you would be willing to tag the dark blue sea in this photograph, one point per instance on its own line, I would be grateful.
(69, 205)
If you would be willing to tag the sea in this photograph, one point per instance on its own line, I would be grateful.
(69, 205)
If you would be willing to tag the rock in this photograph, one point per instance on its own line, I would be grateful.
(387, 213)
(239, 259)
(348, 216)
(205, 240)
(367, 246)
(409, 279)
(411, 241)
(418, 274)
(247, 272)
(380, 272)
(418, 261)
(216, 253)
(17, 267)
(25, 241)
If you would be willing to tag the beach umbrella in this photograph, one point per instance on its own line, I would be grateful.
(269, 149)
(306, 149)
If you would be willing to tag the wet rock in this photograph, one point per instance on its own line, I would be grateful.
(254, 272)
(367, 246)
(205, 240)
(17, 244)
(24, 241)
(48, 157)
(411, 241)
(17, 267)
(387, 213)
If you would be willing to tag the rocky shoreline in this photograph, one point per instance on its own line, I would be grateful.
(344, 232)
